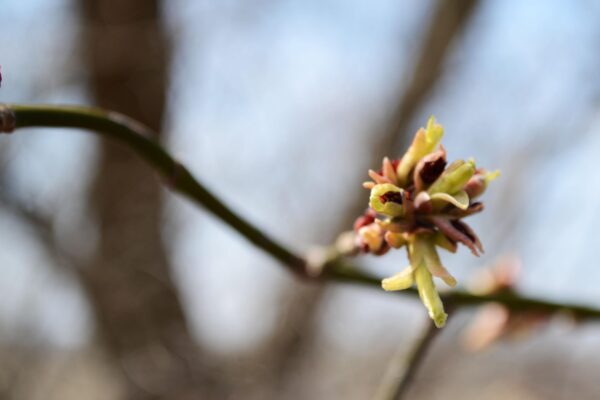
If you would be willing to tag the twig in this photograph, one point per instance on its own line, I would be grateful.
(139, 139)
(403, 368)
(344, 272)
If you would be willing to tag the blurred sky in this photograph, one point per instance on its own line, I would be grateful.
(272, 105)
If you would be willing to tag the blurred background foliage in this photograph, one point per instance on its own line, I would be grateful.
(114, 288)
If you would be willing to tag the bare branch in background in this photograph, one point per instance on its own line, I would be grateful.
(42, 228)
(403, 367)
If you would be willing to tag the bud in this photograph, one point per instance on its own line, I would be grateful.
(424, 143)
(429, 169)
(479, 182)
(400, 281)
(494, 321)
(454, 178)
(387, 199)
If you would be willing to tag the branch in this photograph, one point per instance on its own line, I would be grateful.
(402, 369)
(342, 271)
(140, 140)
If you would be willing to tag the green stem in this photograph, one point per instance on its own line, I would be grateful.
(342, 271)
(141, 141)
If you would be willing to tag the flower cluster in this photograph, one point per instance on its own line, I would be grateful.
(419, 201)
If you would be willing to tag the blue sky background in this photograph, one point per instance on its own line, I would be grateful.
(272, 106)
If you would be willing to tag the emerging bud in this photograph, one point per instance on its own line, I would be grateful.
(429, 169)
(372, 236)
(479, 182)
(454, 178)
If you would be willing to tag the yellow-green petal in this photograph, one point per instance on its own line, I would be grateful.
(372, 235)
(400, 281)
(459, 199)
(425, 248)
(425, 141)
(429, 296)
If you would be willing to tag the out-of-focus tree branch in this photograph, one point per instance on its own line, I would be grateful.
(447, 21)
(403, 367)
(43, 228)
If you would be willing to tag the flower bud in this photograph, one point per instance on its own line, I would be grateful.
(372, 236)
(429, 168)
(479, 182)
(454, 178)
(400, 281)
(425, 142)
(387, 199)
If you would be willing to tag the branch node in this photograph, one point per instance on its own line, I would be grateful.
(8, 120)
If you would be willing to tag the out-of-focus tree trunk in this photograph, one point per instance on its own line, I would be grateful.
(139, 315)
